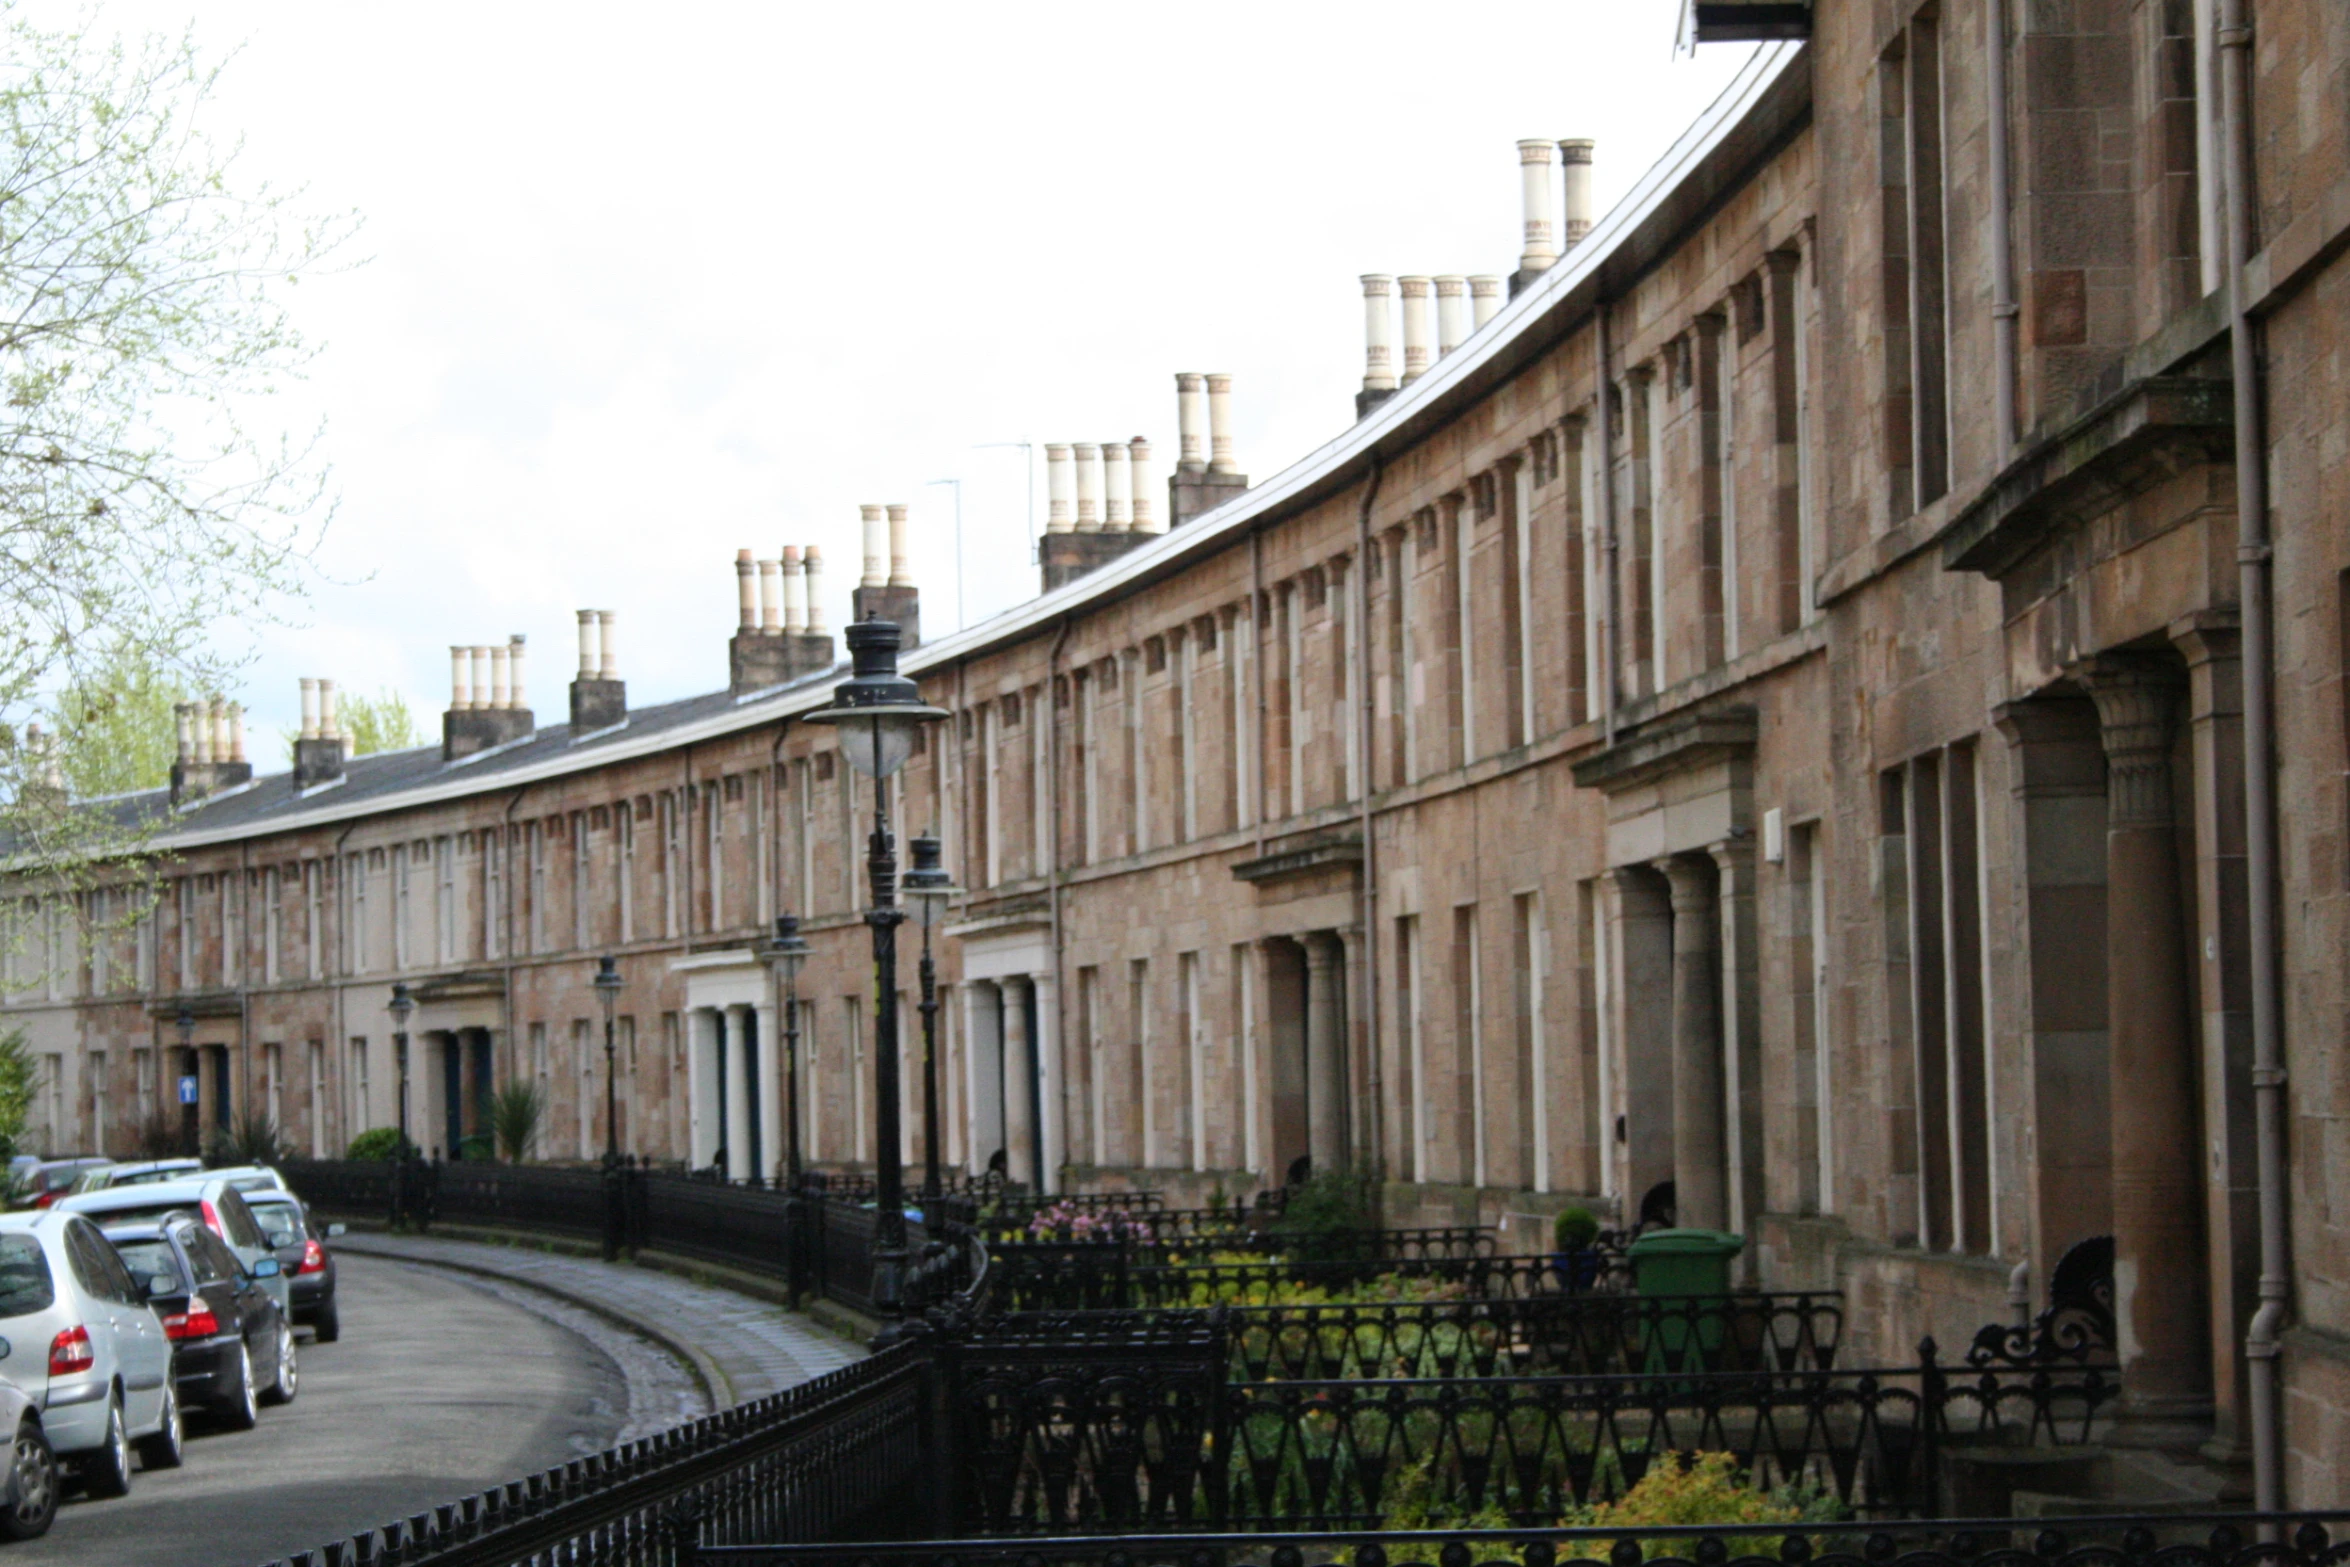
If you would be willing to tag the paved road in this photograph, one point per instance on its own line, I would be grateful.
(440, 1384)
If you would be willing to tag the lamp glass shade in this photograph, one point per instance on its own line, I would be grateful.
(878, 741)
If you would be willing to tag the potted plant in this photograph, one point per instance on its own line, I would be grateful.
(1576, 1260)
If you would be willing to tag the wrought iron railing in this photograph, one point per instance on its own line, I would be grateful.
(2119, 1540)
(840, 1454)
(1046, 1276)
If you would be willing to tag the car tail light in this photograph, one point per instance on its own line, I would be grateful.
(70, 1352)
(45, 1199)
(313, 1258)
(212, 1219)
(197, 1321)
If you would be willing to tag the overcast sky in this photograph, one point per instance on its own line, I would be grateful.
(646, 284)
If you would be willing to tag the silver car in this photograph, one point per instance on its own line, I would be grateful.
(78, 1338)
(29, 1491)
(215, 1201)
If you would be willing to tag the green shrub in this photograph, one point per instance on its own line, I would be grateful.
(254, 1139)
(516, 1110)
(1327, 1217)
(1573, 1229)
(1703, 1488)
(377, 1142)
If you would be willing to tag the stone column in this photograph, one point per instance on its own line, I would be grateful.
(728, 1151)
(1325, 1054)
(1741, 1034)
(1700, 1141)
(1641, 947)
(1019, 1068)
(2222, 940)
(2159, 1264)
(1044, 1044)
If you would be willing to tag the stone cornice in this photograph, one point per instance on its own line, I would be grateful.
(1301, 859)
(2142, 435)
(1668, 745)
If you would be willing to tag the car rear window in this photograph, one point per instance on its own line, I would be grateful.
(25, 1285)
(280, 1221)
(146, 1258)
(237, 1219)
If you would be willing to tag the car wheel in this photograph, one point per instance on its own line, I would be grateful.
(281, 1391)
(107, 1472)
(241, 1410)
(36, 1486)
(326, 1327)
(164, 1449)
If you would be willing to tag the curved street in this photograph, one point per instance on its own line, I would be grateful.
(440, 1384)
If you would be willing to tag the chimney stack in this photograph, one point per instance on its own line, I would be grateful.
(498, 712)
(876, 531)
(795, 594)
(1191, 423)
(1138, 457)
(812, 562)
(901, 573)
(209, 738)
(1452, 312)
(1059, 492)
(318, 751)
(887, 596)
(1484, 299)
(746, 590)
(1089, 486)
(1541, 227)
(787, 645)
(1117, 491)
(1416, 357)
(1575, 156)
(1378, 342)
(1220, 461)
(1195, 490)
(599, 698)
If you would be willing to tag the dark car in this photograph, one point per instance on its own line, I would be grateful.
(300, 1244)
(232, 1350)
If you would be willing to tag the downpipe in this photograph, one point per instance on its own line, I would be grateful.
(2263, 1340)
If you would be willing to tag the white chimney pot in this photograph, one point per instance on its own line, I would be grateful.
(1191, 423)
(480, 658)
(901, 553)
(1541, 232)
(1575, 155)
(1058, 487)
(770, 597)
(587, 644)
(1378, 332)
(1484, 299)
(309, 708)
(608, 629)
(515, 695)
(1117, 488)
(1145, 509)
(1220, 427)
(1415, 327)
(795, 593)
(460, 679)
(876, 547)
(746, 592)
(813, 560)
(1089, 486)
(1452, 312)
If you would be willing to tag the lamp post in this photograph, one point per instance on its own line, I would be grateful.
(786, 954)
(608, 991)
(190, 1117)
(929, 885)
(878, 712)
(403, 1005)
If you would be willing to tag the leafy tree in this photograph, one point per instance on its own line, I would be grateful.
(114, 723)
(381, 722)
(142, 325)
(19, 1073)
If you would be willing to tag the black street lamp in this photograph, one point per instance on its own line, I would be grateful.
(786, 953)
(608, 991)
(403, 1005)
(929, 885)
(879, 713)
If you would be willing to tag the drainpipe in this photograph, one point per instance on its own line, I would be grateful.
(1256, 674)
(2003, 305)
(2261, 1342)
(1052, 760)
(340, 1054)
(506, 942)
(1607, 531)
(1365, 717)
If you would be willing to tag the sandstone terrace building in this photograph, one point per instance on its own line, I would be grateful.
(1681, 735)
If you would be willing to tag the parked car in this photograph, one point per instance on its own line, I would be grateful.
(53, 1178)
(220, 1205)
(250, 1178)
(82, 1343)
(28, 1500)
(105, 1177)
(301, 1249)
(232, 1349)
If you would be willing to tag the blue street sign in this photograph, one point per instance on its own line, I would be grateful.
(187, 1090)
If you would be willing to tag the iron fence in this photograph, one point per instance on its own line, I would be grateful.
(2121, 1540)
(1081, 1276)
(834, 1456)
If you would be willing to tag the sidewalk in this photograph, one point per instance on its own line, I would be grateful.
(742, 1348)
